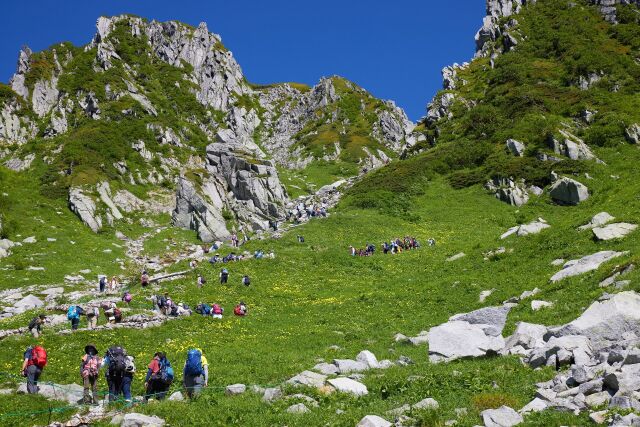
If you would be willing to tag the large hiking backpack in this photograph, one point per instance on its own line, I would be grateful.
(216, 309)
(246, 280)
(91, 366)
(72, 313)
(225, 273)
(166, 371)
(33, 323)
(162, 301)
(39, 356)
(193, 366)
(117, 361)
(206, 309)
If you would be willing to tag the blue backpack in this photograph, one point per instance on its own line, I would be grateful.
(206, 309)
(194, 363)
(166, 371)
(72, 313)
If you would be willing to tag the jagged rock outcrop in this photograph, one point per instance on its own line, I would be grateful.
(20, 165)
(632, 134)
(508, 190)
(440, 107)
(85, 208)
(571, 146)
(201, 211)
(18, 79)
(15, 128)
(288, 110)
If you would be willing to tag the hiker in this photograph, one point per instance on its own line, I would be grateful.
(224, 276)
(117, 315)
(162, 302)
(159, 377)
(246, 280)
(73, 314)
(89, 369)
(352, 250)
(110, 311)
(113, 283)
(92, 316)
(195, 374)
(35, 326)
(193, 263)
(241, 309)
(234, 240)
(183, 310)
(115, 362)
(201, 281)
(34, 361)
(144, 279)
(127, 297)
(300, 239)
(127, 380)
(203, 309)
(216, 311)
(431, 241)
(102, 283)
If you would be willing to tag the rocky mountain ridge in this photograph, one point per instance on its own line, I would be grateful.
(193, 113)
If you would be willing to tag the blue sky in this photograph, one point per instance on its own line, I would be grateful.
(394, 49)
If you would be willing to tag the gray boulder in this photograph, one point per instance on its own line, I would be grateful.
(69, 393)
(368, 358)
(309, 379)
(326, 368)
(585, 264)
(598, 220)
(491, 319)
(349, 386)
(571, 146)
(508, 190)
(504, 416)
(373, 421)
(515, 147)
(27, 303)
(534, 227)
(632, 134)
(604, 322)
(20, 165)
(141, 420)
(298, 408)
(347, 366)
(428, 403)
(614, 231)
(235, 389)
(271, 394)
(85, 208)
(567, 191)
(458, 339)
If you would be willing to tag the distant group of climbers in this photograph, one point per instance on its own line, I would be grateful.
(216, 310)
(392, 247)
(111, 312)
(119, 369)
(232, 257)
(110, 285)
(224, 278)
(299, 212)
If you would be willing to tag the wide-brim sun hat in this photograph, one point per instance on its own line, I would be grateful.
(90, 346)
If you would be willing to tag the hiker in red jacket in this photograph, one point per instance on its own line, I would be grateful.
(35, 359)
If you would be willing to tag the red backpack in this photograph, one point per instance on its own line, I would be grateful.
(216, 309)
(38, 356)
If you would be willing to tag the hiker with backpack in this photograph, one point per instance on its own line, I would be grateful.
(201, 281)
(216, 311)
(127, 297)
(203, 309)
(92, 316)
(159, 377)
(115, 361)
(114, 284)
(34, 361)
(35, 326)
(224, 276)
(109, 311)
(195, 374)
(241, 309)
(89, 369)
(246, 280)
(102, 283)
(73, 314)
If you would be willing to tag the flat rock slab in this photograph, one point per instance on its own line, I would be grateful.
(235, 389)
(458, 339)
(373, 421)
(140, 420)
(347, 385)
(597, 221)
(585, 264)
(308, 379)
(501, 417)
(614, 231)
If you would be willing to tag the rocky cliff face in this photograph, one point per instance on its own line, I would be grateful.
(192, 121)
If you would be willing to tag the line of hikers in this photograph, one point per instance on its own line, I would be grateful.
(232, 257)
(216, 310)
(300, 212)
(111, 285)
(392, 247)
(119, 369)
